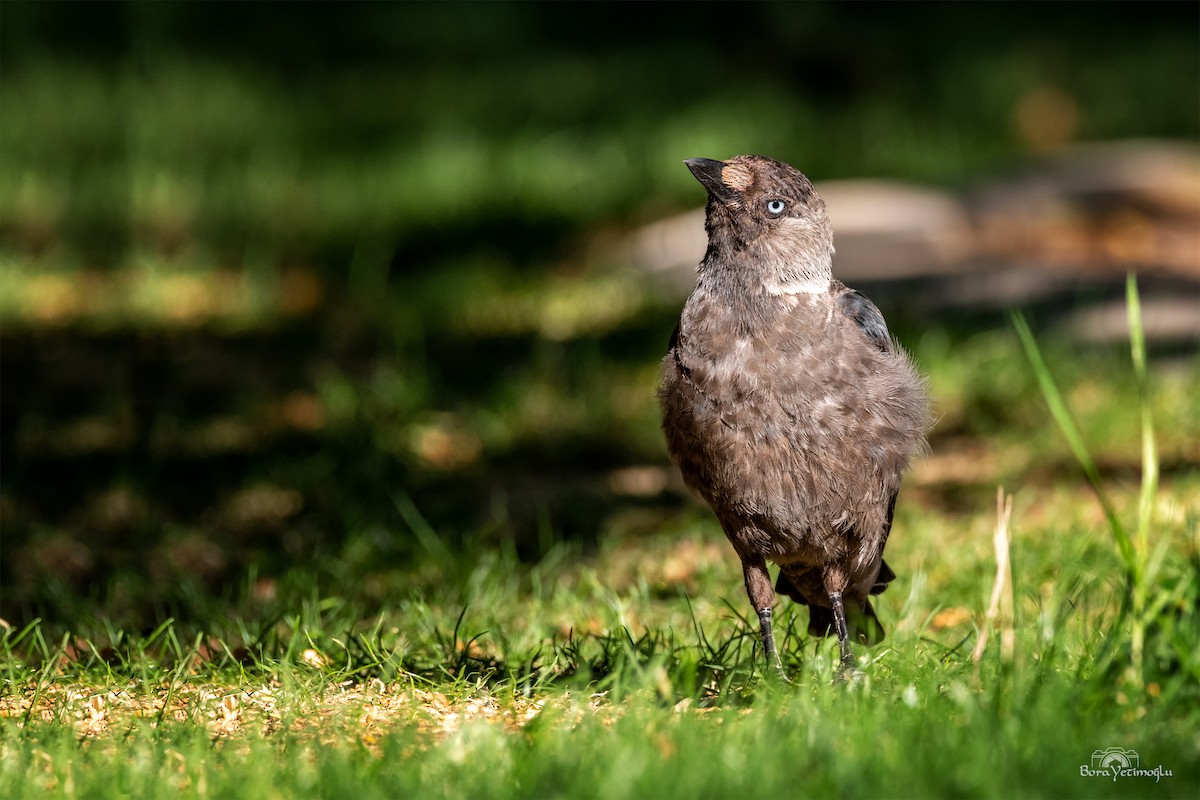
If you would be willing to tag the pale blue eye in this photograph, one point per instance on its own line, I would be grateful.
(775, 206)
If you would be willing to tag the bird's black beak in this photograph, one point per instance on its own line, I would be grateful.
(708, 172)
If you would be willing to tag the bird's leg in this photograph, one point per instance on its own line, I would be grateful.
(768, 637)
(834, 578)
(762, 596)
(848, 666)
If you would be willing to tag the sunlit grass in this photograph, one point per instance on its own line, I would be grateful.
(491, 678)
(1141, 573)
(152, 294)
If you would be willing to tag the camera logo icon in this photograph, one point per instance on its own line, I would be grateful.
(1115, 756)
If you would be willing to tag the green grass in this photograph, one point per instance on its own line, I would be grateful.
(631, 668)
(1141, 572)
(634, 672)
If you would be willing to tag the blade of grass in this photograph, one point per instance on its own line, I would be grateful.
(1066, 423)
(426, 536)
(1135, 553)
(1137, 347)
(1002, 590)
(44, 675)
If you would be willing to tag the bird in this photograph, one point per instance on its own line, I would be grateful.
(788, 406)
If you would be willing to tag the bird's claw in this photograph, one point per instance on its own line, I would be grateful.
(775, 672)
(848, 675)
(848, 672)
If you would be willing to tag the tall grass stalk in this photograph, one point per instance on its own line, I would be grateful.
(1137, 347)
(1134, 553)
(1000, 607)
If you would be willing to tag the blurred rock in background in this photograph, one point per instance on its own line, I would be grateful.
(1090, 213)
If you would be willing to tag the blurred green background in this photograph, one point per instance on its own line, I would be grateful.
(316, 290)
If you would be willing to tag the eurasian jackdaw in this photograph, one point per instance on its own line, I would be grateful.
(787, 405)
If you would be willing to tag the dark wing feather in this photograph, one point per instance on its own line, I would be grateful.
(886, 575)
(867, 317)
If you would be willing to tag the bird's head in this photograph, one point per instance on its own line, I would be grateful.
(765, 221)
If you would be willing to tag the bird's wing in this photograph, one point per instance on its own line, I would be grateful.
(865, 314)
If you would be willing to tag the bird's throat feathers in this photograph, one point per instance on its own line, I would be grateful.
(794, 256)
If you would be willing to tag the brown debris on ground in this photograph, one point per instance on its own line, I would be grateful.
(366, 712)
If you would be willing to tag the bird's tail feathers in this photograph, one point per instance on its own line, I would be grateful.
(861, 622)
(886, 576)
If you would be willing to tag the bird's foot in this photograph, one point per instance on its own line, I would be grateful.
(848, 674)
(774, 672)
(848, 670)
(774, 681)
